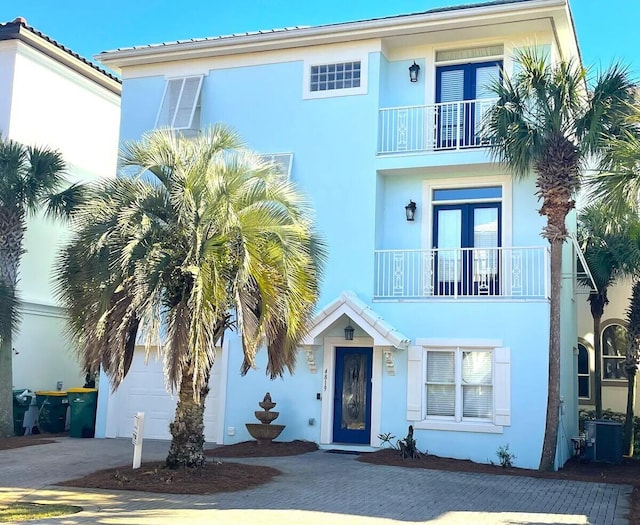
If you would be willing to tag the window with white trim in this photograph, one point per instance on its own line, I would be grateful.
(180, 107)
(281, 161)
(459, 384)
(343, 75)
(463, 387)
(330, 75)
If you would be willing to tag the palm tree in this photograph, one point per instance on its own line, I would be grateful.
(608, 240)
(617, 181)
(545, 121)
(616, 184)
(30, 180)
(200, 237)
(631, 361)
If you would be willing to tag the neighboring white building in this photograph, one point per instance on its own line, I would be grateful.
(50, 96)
(450, 306)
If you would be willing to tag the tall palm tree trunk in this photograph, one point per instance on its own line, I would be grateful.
(187, 429)
(550, 443)
(597, 302)
(629, 438)
(631, 365)
(6, 382)
(11, 235)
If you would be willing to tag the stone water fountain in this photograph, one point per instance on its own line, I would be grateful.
(264, 432)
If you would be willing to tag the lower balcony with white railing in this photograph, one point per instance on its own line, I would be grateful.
(435, 127)
(475, 273)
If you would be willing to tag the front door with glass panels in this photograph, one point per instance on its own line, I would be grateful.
(352, 396)
(462, 97)
(466, 238)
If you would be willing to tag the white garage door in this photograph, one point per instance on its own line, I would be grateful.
(143, 390)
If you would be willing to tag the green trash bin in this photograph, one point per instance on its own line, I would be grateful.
(82, 404)
(21, 401)
(53, 406)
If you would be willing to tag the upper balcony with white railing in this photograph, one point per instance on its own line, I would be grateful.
(444, 126)
(480, 273)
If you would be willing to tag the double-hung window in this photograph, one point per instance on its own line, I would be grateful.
(459, 384)
(464, 387)
(180, 107)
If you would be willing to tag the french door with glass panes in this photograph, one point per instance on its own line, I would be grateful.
(466, 238)
(463, 97)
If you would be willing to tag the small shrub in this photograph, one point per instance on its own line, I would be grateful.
(387, 439)
(505, 456)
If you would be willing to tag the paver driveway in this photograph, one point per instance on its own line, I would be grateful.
(317, 488)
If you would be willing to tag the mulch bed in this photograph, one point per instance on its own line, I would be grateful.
(251, 449)
(28, 441)
(627, 472)
(215, 477)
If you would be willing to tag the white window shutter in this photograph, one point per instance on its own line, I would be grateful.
(415, 383)
(502, 386)
(188, 101)
(169, 103)
(180, 103)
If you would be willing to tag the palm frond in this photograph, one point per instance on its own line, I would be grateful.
(200, 231)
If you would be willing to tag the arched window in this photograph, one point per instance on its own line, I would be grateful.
(584, 376)
(614, 345)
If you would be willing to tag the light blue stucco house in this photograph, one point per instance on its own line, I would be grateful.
(436, 259)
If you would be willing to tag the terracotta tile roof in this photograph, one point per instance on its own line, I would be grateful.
(337, 25)
(12, 31)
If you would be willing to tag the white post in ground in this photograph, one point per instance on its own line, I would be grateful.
(137, 437)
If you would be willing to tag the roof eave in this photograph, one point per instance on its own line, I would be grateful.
(23, 34)
(326, 34)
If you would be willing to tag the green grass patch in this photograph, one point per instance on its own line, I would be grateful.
(34, 511)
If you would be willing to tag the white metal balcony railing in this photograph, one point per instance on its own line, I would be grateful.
(443, 126)
(520, 273)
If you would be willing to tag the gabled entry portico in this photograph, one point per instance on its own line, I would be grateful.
(351, 390)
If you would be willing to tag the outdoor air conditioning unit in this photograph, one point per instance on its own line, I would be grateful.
(603, 441)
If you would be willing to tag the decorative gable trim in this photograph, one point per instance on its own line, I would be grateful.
(382, 333)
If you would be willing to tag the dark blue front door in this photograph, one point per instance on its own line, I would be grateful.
(352, 396)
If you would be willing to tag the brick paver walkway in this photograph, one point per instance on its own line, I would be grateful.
(317, 488)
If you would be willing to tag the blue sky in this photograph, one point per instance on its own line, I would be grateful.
(606, 29)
